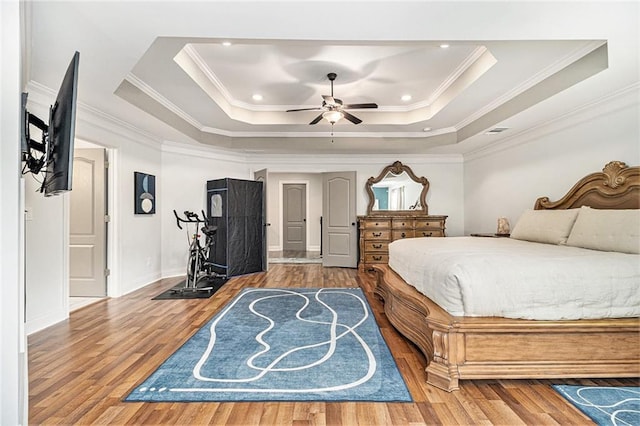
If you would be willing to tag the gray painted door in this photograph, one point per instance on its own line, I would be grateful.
(87, 239)
(339, 230)
(294, 216)
(261, 176)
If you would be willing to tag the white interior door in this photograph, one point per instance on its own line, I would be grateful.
(261, 176)
(339, 230)
(87, 239)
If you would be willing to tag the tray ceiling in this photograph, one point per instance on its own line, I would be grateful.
(195, 83)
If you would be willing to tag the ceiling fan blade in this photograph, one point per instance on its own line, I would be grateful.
(351, 118)
(329, 100)
(304, 109)
(317, 119)
(361, 106)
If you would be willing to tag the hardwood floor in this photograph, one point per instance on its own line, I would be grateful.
(81, 369)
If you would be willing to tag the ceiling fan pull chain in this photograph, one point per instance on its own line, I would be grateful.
(331, 132)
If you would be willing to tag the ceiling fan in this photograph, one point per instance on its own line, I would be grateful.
(334, 109)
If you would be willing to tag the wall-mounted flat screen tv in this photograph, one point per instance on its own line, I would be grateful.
(61, 134)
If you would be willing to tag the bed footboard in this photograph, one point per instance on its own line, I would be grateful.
(501, 348)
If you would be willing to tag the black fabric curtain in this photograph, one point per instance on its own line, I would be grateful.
(235, 207)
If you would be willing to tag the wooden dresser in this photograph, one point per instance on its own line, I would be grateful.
(377, 231)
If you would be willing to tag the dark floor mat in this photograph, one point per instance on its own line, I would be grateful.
(178, 291)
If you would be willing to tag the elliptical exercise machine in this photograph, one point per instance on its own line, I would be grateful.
(199, 267)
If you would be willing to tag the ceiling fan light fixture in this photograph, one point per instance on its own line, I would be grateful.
(334, 109)
(332, 116)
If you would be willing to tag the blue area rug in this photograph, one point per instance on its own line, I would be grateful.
(282, 345)
(605, 405)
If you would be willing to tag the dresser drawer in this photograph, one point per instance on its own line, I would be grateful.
(429, 224)
(402, 223)
(429, 233)
(377, 224)
(377, 234)
(372, 246)
(377, 231)
(400, 234)
(376, 258)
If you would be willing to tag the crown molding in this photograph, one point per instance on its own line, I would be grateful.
(201, 64)
(455, 75)
(306, 160)
(197, 60)
(204, 151)
(44, 97)
(190, 61)
(156, 96)
(342, 135)
(612, 102)
(532, 81)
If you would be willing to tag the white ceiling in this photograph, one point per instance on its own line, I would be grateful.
(161, 67)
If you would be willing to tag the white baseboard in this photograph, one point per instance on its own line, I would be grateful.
(38, 324)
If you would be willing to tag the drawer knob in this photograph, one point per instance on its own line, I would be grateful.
(377, 257)
(376, 234)
(427, 234)
(377, 246)
(403, 235)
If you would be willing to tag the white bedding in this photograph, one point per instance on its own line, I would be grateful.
(504, 277)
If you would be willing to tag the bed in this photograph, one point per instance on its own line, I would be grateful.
(468, 345)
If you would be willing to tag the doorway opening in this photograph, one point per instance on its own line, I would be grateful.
(331, 231)
(298, 231)
(88, 226)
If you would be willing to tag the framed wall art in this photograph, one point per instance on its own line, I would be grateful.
(145, 193)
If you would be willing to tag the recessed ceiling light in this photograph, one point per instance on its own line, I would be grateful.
(226, 43)
(426, 129)
(406, 97)
(444, 46)
(257, 97)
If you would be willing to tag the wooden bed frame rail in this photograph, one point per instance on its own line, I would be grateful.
(502, 348)
(488, 347)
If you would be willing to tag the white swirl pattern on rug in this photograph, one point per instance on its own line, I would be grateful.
(615, 411)
(337, 331)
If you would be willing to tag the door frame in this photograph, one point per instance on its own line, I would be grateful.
(100, 172)
(264, 174)
(113, 284)
(285, 224)
(281, 184)
(111, 240)
(338, 260)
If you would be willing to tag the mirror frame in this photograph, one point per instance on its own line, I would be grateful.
(397, 168)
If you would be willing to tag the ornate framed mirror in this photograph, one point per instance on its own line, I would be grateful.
(397, 190)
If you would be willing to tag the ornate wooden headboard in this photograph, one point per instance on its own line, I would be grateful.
(616, 187)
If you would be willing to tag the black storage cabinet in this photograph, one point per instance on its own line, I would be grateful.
(235, 207)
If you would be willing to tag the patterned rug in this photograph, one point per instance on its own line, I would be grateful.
(605, 405)
(282, 345)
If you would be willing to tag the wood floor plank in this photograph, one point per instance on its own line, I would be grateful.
(81, 369)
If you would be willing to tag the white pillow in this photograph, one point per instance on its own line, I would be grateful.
(545, 226)
(607, 230)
